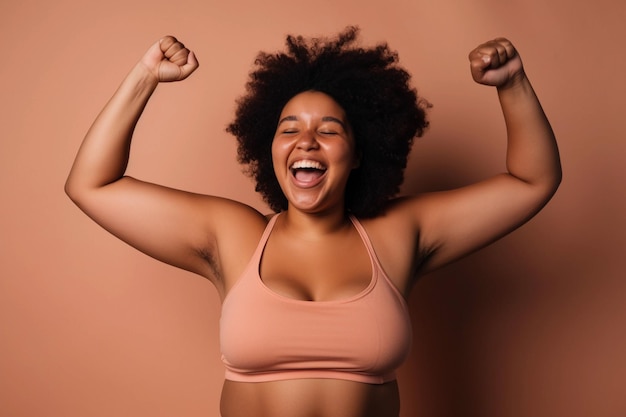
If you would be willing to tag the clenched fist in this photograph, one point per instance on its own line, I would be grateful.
(496, 63)
(168, 60)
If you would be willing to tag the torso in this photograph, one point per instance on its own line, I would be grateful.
(309, 398)
(293, 269)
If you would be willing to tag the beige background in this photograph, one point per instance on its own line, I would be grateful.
(531, 326)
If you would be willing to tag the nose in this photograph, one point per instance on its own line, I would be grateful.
(307, 141)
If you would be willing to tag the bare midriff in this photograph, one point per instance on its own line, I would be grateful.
(309, 398)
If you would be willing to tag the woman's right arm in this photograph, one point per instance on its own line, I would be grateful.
(170, 225)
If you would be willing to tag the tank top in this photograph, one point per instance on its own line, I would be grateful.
(265, 336)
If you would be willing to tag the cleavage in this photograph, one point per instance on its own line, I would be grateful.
(330, 269)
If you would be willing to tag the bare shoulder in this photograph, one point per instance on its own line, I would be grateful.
(231, 214)
(447, 225)
(401, 215)
(236, 231)
(395, 237)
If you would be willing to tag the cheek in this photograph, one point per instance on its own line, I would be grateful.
(278, 157)
(281, 148)
(347, 155)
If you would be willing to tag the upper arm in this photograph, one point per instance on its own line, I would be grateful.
(177, 227)
(452, 224)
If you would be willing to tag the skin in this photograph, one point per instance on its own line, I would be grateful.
(215, 237)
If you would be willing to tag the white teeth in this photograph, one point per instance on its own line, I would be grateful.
(307, 164)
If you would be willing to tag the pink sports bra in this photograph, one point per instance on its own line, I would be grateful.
(265, 336)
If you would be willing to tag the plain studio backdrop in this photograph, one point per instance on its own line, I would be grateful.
(534, 325)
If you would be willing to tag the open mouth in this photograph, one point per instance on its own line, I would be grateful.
(307, 171)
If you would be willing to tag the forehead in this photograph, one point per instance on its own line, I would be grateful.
(313, 103)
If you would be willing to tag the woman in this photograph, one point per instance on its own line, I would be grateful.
(314, 320)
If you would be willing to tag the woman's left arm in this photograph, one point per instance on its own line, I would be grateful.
(532, 153)
(455, 223)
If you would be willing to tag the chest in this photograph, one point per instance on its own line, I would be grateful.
(316, 270)
(352, 325)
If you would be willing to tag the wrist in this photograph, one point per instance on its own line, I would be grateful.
(142, 77)
(518, 81)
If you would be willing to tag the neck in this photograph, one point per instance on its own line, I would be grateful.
(314, 225)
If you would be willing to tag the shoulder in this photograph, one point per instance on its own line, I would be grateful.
(395, 236)
(401, 213)
(219, 231)
(231, 223)
(236, 231)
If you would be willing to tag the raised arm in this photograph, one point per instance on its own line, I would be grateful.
(103, 155)
(170, 225)
(455, 223)
(532, 154)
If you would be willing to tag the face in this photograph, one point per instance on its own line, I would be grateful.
(313, 152)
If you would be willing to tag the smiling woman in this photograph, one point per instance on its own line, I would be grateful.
(313, 151)
(374, 95)
(314, 320)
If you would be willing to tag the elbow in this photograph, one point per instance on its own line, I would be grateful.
(547, 182)
(557, 178)
(75, 189)
(557, 174)
(552, 185)
(82, 191)
(542, 189)
(71, 190)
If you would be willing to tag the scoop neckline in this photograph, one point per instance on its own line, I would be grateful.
(351, 298)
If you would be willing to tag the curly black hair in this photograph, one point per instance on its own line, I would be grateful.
(384, 111)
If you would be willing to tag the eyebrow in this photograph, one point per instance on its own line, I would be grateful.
(324, 119)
